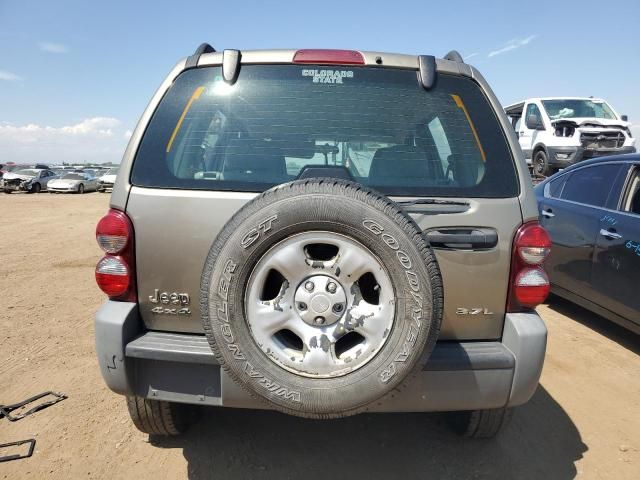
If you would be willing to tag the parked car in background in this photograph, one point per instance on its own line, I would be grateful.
(30, 180)
(106, 181)
(74, 182)
(556, 132)
(592, 212)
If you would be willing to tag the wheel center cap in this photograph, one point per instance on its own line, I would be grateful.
(320, 303)
(320, 300)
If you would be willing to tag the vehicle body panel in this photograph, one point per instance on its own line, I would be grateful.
(573, 231)
(595, 259)
(168, 267)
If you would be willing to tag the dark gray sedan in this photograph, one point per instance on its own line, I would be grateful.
(592, 212)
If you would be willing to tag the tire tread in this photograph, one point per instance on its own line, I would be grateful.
(156, 417)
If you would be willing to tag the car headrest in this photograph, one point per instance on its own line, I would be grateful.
(253, 160)
(397, 165)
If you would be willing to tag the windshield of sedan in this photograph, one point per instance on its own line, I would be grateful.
(74, 176)
(27, 172)
(568, 108)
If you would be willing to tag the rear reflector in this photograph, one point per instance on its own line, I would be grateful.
(113, 232)
(329, 57)
(531, 287)
(112, 276)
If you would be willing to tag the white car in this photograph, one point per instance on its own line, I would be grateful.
(559, 131)
(106, 181)
(75, 182)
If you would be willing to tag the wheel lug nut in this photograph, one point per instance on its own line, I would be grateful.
(319, 320)
(338, 307)
(302, 306)
(309, 286)
(331, 287)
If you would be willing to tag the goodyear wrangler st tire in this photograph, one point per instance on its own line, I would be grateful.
(321, 297)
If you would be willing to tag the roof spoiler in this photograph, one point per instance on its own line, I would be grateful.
(454, 56)
(192, 61)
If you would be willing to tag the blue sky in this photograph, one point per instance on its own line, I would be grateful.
(75, 75)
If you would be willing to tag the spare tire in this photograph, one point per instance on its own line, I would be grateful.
(320, 297)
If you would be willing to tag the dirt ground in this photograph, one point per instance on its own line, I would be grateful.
(583, 421)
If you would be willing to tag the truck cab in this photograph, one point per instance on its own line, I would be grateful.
(555, 132)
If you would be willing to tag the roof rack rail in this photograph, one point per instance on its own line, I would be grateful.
(454, 56)
(192, 61)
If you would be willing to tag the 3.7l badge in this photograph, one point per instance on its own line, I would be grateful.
(176, 303)
(473, 311)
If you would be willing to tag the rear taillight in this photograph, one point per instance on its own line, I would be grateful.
(529, 283)
(115, 272)
(113, 232)
(329, 57)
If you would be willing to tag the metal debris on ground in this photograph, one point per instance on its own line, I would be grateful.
(5, 410)
(17, 456)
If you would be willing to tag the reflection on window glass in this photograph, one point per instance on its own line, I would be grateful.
(574, 108)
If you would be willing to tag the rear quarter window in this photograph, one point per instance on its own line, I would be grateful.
(276, 120)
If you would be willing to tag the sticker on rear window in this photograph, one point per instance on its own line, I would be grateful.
(327, 76)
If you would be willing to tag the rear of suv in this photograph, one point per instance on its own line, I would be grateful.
(322, 233)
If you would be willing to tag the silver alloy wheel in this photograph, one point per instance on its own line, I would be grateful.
(320, 304)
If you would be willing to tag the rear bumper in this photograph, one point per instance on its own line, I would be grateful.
(562, 157)
(104, 186)
(181, 367)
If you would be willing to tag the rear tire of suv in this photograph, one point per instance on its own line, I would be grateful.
(157, 417)
(321, 297)
(480, 423)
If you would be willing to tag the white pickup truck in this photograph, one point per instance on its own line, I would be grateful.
(559, 131)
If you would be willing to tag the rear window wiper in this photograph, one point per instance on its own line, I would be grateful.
(431, 201)
(433, 206)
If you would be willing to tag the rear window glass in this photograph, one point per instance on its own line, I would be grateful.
(275, 121)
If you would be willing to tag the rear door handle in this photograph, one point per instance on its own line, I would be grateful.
(548, 213)
(461, 238)
(610, 235)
